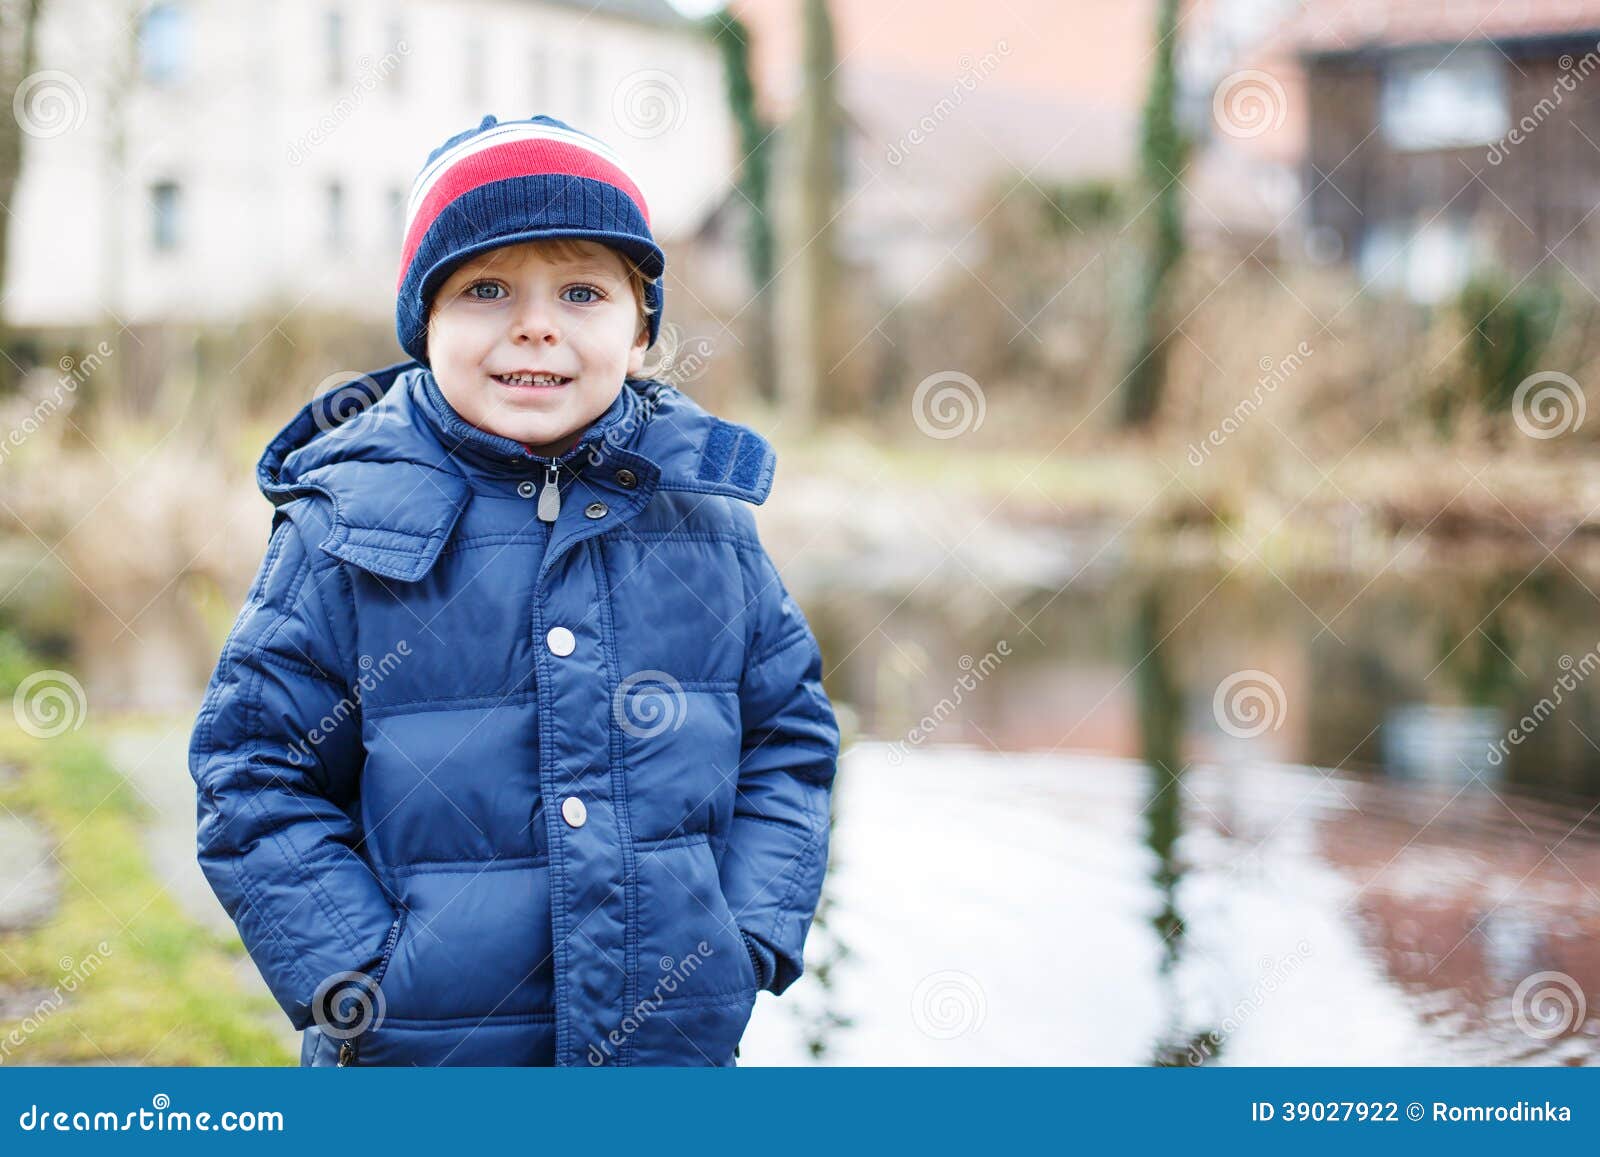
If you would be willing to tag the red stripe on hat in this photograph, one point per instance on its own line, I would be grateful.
(524, 158)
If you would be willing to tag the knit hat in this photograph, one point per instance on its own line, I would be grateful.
(499, 184)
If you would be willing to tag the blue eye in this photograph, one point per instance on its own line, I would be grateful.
(594, 294)
(472, 290)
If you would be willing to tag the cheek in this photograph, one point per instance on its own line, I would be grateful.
(456, 337)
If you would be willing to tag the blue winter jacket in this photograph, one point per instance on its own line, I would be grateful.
(481, 789)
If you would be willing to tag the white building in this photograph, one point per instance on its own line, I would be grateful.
(191, 160)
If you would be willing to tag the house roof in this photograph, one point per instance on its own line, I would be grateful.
(1333, 26)
(645, 11)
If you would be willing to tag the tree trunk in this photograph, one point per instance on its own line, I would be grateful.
(1161, 160)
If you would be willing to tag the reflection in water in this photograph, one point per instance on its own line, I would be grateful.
(1159, 708)
(1055, 854)
(1400, 868)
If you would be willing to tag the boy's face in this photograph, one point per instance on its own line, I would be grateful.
(526, 308)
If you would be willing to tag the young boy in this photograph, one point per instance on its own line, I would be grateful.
(518, 753)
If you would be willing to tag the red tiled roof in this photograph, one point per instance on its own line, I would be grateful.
(1345, 25)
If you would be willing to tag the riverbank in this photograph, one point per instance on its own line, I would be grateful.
(851, 505)
(107, 968)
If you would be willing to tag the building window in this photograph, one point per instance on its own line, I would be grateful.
(333, 45)
(165, 225)
(1435, 101)
(334, 216)
(1427, 262)
(163, 43)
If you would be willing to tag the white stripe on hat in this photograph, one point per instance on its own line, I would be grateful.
(500, 135)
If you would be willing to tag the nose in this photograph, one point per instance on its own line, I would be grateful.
(535, 322)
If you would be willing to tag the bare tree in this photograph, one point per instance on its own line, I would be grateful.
(19, 25)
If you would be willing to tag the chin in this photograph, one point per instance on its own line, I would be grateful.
(533, 435)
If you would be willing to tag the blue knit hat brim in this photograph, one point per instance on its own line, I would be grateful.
(530, 207)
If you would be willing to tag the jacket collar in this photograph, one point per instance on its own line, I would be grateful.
(399, 470)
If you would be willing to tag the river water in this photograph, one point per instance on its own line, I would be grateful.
(1189, 819)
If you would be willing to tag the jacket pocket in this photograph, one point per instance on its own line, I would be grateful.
(732, 940)
(370, 1006)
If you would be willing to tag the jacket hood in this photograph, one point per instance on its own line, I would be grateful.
(397, 463)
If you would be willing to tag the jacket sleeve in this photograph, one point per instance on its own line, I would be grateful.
(276, 746)
(777, 851)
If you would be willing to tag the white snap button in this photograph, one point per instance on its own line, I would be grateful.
(573, 811)
(560, 641)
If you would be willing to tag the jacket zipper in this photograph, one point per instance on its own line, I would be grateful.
(348, 1052)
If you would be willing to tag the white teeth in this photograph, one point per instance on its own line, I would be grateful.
(531, 379)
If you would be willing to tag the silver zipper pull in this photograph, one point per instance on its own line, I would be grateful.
(550, 496)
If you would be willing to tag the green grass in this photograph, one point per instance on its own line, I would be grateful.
(162, 991)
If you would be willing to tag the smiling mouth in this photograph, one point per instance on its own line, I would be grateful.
(531, 381)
